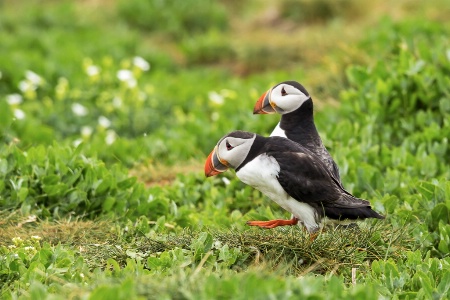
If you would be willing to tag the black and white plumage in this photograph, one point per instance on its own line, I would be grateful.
(293, 102)
(289, 174)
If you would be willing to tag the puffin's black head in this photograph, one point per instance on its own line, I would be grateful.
(230, 152)
(283, 98)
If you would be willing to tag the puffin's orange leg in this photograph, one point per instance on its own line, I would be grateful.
(273, 223)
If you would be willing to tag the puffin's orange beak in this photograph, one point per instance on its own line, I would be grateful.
(214, 165)
(263, 105)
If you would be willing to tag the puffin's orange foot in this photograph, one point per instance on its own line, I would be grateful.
(273, 223)
(313, 236)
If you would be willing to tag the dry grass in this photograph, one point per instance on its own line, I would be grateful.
(293, 251)
(158, 174)
(289, 249)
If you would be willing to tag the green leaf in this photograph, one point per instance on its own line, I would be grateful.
(443, 287)
(51, 179)
(55, 190)
(426, 189)
(439, 213)
(202, 245)
(127, 183)
(416, 68)
(103, 186)
(426, 282)
(108, 203)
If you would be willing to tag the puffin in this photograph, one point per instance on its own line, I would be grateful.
(290, 175)
(293, 102)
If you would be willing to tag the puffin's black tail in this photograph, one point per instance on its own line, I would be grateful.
(339, 213)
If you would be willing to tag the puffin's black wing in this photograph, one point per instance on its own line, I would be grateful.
(335, 170)
(306, 178)
(309, 181)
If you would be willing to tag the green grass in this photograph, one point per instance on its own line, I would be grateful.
(102, 191)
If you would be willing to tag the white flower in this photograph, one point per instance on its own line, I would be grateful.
(77, 142)
(217, 244)
(14, 99)
(104, 121)
(35, 237)
(124, 75)
(110, 137)
(86, 131)
(29, 248)
(81, 275)
(31, 82)
(128, 77)
(216, 98)
(226, 180)
(132, 83)
(34, 78)
(12, 247)
(19, 114)
(25, 86)
(92, 70)
(141, 63)
(79, 109)
(17, 239)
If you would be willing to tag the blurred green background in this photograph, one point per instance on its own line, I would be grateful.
(205, 63)
(109, 108)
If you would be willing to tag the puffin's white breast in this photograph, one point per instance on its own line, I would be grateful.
(261, 173)
(277, 131)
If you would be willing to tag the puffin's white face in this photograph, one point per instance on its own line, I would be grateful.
(283, 98)
(230, 152)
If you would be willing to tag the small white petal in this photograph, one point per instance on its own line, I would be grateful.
(77, 142)
(141, 63)
(17, 239)
(216, 98)
(110, 137)
(19, 114)
(104, 121)
(217, 244)
(124, 75)
(92, 70)
(33, 77)
(25, 86)
(86, 131)
(131, 83)
(226, 180)
(79, 110)
(14, 99)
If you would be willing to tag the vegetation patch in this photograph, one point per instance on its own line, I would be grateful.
(108, 110)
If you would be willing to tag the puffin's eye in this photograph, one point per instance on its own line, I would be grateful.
(229, 147)
(283, 92)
